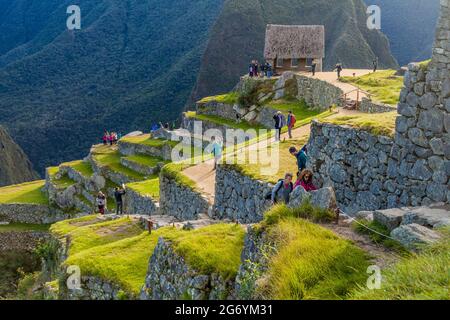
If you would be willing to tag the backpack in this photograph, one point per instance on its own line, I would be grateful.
(100, 201)
(269, 194)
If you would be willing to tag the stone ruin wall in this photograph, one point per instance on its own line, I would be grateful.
(417, 170)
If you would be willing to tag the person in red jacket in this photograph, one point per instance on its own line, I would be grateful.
(305, 180)
(291, 120)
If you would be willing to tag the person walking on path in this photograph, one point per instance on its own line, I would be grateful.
(305, 180)
(118, 194)
(282, 190)
(375, 65)
(291, 120)
(338, 68)
(216, 151)
(101, 203)
(300, 156)
(313, 67)
(278, 125)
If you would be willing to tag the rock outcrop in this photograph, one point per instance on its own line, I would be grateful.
(15, 167)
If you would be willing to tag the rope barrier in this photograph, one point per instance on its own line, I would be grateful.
(366, 227)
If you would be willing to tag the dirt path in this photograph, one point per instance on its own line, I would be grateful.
(382, 256)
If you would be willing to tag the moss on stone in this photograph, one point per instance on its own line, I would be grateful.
(228, 98)
(149, 187)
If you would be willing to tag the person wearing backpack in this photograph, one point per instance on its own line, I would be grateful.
(281, 192)
(101, 202)
(291, 120)
(300, 156)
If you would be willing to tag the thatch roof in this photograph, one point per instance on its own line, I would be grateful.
(289, 42)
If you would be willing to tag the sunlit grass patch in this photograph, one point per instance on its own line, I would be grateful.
(310, 262)
(384, 86)
(419, 276)
(81, 166)
(228, 98)
(110, 158)
(124, 260)
(149, 187)
(376, 124)
(29, 193)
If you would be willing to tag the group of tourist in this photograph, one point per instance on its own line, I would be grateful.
(280, 122)
(257, 70)
(110, 138)
(101, 200)
(282, 190)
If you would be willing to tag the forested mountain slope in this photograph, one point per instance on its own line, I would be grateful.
(410, 27)
(133, 62)
(238, 36)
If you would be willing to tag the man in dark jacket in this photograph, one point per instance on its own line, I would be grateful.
(301, 158)
(118, 194)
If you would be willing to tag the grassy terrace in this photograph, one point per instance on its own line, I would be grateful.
(377, 124)
(145, 160)
(310, 262)
(27, 193)
(384, 86)
(23, 227)
(280, 166)
(119, 251)
(82, 167)
(223, 122)
(146, 140)
(422, 276)
(107, 157)
(149, 187)
(229, 98)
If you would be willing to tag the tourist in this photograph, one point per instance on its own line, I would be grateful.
(154, 128)
(313, 67)
(101, 202)
(282, 190)
(269, 70)
(216, 151)
(114, 138)
(118, 194)
(338, 68)
(300, 156)
(305, 180)
(105, 137)
(278, 125)
(291, 120)
(375, 65)
(256, 69)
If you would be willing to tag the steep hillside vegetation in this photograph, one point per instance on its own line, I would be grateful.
(15, 167)
(132, 63)
(238, 37)
(410, 26)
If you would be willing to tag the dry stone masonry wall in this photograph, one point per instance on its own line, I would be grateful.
(169, 277)
(369, 106)
(239, 198)
(181, 201)
(413, 169)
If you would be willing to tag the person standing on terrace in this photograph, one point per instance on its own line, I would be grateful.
(216, 151)
(291, 120)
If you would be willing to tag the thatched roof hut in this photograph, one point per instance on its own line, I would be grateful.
(294, 41)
